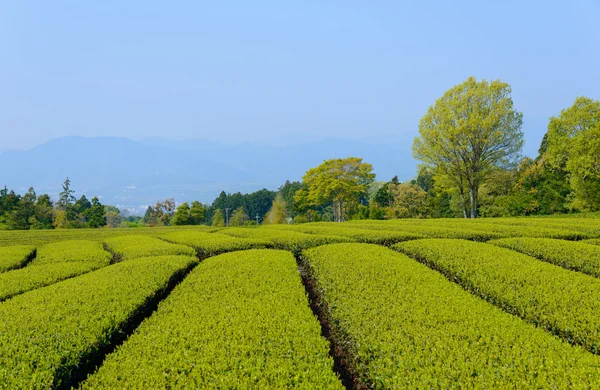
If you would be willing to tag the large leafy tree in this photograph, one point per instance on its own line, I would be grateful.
(95, 214)
(468, 133)
(573, 145)
(279, 212)
(341, 182)
(182, 215)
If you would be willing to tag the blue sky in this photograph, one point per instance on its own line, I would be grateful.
(268, 72)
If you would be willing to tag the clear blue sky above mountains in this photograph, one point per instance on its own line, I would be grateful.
(265, 72)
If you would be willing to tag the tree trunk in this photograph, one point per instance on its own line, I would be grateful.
(462, 201)
(473, 197)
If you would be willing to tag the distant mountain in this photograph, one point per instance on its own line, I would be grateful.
(133, 174)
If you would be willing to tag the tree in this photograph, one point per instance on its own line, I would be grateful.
(95, 214)
(410, 201)
(66, 200)
(573, 145)
(469, 132)
(217, 219)
(278, 213)
(238, 217)
(197, 213)
(19, 217)
(82, 205)
(44, 213)
(149, 217)
(182, 215)
(114, 216)
(341, 182)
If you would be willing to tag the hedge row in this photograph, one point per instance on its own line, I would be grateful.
(32, 277)
(285, 239)
(13, 257)
(135, 246)
(54, 262)
(381, 237)
(562, 301)
(211, 244)
(50, 336)
(239, 320)
(406, 326)
(417, 227)
(70, 251)
(577, 256)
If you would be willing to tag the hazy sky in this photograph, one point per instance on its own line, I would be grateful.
(265, 71)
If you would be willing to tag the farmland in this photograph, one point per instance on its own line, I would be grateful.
(406, 303)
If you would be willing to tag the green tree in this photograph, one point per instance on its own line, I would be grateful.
(19, 217)
(468, 133)
(82, 205)
(410, 201)
(278, 213)
(114, 217)
(197, 213)
(95, 214)
(44, 213)
(238, 217)
(217, 219)
(182, 215)
(573, 145)
(66, 200)
(341, 182)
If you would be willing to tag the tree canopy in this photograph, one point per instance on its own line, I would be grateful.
(341, 182)
(469, 132)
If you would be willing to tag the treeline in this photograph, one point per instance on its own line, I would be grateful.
(31, 211)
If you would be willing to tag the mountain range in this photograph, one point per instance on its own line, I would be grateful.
(133, 174)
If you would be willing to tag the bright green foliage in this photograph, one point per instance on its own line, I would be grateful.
(593, 241)
(239, 320)
(278, 213)
(54, 262)
(134, 246)
(513, 231)
(382, 237)
(238, 217)
(406, 326)
(47, 335)
(574, 145)
(218, 220)
(182, 215)
(12, 257)
(426, 230)
(467, 134)
(340, 182)
(285, 239)
(211, 244)
(18, 281)
(562, 301)
(72, 250)
(577, 256)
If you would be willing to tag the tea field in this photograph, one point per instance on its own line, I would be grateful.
(446, 303)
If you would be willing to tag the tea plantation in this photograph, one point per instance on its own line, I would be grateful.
(415, 303)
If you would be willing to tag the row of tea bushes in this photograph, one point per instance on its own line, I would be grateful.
(239, 320)
(285, 238)
(372, 236)
(54, 262)
(16, 256)
(72, 251)
(418, 227)
(406, 326)
(211, 244)
(563, 302)
(577, 256)
(135, 246)
(50, 336)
